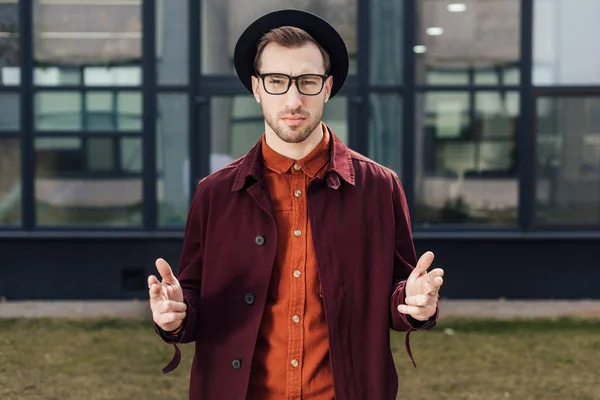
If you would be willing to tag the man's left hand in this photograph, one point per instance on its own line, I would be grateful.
(422, 289)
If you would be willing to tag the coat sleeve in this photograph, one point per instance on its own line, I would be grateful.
(405, 260)
(189, 275)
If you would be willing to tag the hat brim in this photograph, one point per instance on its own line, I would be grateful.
(315, 26)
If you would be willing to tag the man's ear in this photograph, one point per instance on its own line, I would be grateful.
(328, 86)
(256, 88)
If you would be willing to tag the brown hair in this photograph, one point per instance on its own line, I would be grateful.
(290, 37)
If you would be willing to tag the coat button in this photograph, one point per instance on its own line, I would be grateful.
(249, 298)
(237, 363)
(259, 240)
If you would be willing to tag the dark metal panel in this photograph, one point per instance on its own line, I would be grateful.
(149, 113)
(358, 103)
(27, 115)
(88, 134)
(465, 88)
(408, 105)
(526, 136)
(200, 128)
(83, 89)
(97, 267)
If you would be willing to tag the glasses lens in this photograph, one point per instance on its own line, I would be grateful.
(310, 84)
(276, 84)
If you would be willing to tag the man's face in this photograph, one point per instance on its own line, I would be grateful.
(292, 116)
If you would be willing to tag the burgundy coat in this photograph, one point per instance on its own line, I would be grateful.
(364, 247)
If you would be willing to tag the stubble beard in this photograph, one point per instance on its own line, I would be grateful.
(293, 134)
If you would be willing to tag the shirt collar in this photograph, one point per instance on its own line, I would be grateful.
(340, 164)
(311, 164)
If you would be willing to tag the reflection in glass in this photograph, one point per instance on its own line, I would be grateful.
(237, 123)
(385, 133)
(96, 111)
(567, 161)
(479, 46)
(10, 181)
(9, 43)
(173, 164)
(172, 41)
(90, 42)
(10, 115)
(386, 41)
(565, 42)
(83, 182)
(223, 21)
(466, 160)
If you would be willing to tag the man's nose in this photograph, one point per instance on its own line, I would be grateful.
(293, 99)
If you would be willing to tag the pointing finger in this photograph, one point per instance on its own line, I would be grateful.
(165, 271)
(424, 263)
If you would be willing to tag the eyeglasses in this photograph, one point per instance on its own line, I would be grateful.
(307, 84)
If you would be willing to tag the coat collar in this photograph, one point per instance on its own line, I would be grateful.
(340, 165)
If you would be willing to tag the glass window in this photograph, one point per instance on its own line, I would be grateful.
(567, 161)
(223, 21)
(565, 34)
(466, 161)
(385, 133)
(387, 23)
(478, 44)
(10, 115)
(90, 42)
(130, 155)
(96, 111)
(172, 41)
(237, 123)
(10, 181)
(75, 187)
(10, 73)
(173, 159)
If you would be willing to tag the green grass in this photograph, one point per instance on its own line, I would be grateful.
(50, 359)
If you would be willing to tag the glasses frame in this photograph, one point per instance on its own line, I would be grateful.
(295, 80)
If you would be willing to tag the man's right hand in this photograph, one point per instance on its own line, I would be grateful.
(166, 298)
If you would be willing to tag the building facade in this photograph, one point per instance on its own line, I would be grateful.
(111, 111)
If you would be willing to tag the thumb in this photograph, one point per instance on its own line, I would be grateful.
(165, 271)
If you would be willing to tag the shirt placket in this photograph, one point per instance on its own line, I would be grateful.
(298, 285)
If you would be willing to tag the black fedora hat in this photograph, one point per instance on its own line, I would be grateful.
(315, 26)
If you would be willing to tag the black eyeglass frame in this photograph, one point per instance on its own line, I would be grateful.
(293, 79)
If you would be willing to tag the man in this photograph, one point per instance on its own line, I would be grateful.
(298, 257)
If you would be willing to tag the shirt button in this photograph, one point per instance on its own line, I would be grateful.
(259, 240)
(297, 232)
(237, 363)
(296, 319)
(298, 193)
(249, 298)
(295, 363)
(297, 273)
(296, 167)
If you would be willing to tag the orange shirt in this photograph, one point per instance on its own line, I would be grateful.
(291, 360)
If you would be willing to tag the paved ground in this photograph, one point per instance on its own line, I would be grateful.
(449, 308)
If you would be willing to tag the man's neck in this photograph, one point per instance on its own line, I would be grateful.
(295, 151)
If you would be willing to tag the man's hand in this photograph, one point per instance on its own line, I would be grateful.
(166, 298)
(422, 289)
